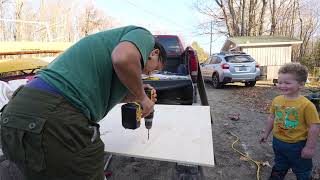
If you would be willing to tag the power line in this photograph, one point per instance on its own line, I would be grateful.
(182, 27)
(156, 15)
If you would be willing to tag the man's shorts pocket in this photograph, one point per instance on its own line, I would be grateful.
(22, 139)
(89, 160)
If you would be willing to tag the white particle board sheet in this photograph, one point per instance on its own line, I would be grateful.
(179, 134)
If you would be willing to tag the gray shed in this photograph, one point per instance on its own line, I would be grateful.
(270, 52)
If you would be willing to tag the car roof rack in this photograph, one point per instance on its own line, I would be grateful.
(236, 52)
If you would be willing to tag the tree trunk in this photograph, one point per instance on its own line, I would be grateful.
(273, 18)
(234, 18)
(293, 19)
(225, 16)
(18, 26)
(254, 23)
(242, 16)
(252, 18)
(285, 23)
(263, 12)
(309, 30)
(249, 33)
(300, 36)
(2, 24)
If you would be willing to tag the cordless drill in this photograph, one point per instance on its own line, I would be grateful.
(131, 113)
(148, 119)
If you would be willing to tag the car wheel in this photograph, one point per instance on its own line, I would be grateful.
(215, 81)
(250, 83)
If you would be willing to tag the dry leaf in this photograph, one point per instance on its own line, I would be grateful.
(234, 117)
(266, 163)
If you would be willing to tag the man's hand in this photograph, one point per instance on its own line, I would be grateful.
(147, 103)
(148, 86)
(147, 106)
(307, 153)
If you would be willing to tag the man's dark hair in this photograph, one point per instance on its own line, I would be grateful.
(162, 52)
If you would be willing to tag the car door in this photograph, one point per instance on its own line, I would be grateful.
(212, 66)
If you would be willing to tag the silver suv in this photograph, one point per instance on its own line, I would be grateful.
(224, 68)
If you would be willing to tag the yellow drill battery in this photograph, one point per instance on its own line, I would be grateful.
(131, 115)
(132, 112)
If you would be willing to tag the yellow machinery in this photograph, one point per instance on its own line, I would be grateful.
(24, 64)
(14, 65)
(20, 68)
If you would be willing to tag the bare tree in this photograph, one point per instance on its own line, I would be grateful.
(242, 16)
(225, 16)
(262, 14)
(18, 15)
(234, 18)
(293, 18)
(55, 20)
(307, 30)
(216, 17)
(273, 17)
(3, 4)
(93, 20)
(282, 16)
(252, 17)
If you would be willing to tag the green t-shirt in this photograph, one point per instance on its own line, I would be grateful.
(84, 73)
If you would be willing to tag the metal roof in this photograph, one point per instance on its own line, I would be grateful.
(21, 46)
(243, 41)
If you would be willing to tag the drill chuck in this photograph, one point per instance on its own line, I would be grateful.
(148, 121)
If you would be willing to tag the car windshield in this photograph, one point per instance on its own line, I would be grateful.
(239, 59)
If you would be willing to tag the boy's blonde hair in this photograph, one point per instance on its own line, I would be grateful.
(298, 70)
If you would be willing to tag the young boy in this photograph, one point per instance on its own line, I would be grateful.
(295, 122)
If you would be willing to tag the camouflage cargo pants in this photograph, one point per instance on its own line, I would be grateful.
(50, 139)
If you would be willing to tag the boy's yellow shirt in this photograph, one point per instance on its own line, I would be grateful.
(292, 118)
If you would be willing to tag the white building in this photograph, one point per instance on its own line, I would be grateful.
(269, 51)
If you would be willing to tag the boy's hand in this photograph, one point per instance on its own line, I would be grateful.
(307, 153)
(263, 139)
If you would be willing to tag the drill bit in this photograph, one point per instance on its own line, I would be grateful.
(148, 134)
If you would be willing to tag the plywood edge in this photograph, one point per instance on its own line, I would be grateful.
(164, 159)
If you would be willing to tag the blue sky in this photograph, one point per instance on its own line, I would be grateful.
(162, 17)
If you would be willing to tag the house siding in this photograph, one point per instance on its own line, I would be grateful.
(271, 57)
